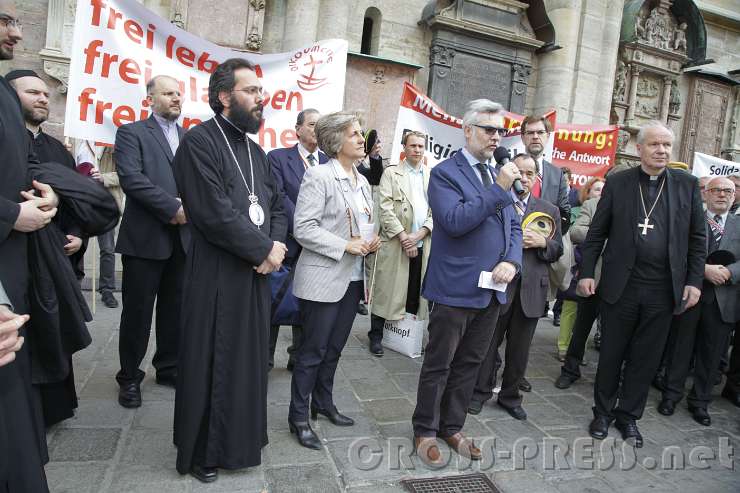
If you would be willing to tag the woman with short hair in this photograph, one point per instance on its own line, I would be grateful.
(333, 223)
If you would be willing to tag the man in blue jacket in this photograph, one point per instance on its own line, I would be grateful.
(477, 232)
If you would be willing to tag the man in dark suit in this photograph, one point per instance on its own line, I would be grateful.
(525, 301)
(477, 235)
(653, 266)
(705, 328)
(151, 240)
(536, 132)
(288, 166)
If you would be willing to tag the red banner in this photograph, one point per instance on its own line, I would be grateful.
(588, 150)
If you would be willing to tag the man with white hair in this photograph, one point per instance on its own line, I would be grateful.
(477, 235)
(705, 332)
(653, 267)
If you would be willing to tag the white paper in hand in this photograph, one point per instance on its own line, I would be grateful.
(367, 231)
(485, 281)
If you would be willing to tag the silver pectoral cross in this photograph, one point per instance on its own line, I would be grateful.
(645, 226)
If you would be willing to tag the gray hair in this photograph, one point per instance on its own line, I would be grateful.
(653, 124)
(330, 130)
(478, 106)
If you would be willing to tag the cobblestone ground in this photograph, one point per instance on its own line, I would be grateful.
(106, 448)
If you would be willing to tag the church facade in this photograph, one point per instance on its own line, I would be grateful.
(594, 61)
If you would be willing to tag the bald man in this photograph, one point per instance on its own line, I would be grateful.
(151, 240)
(706, 327)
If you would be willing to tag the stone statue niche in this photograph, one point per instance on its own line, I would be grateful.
(656, 27)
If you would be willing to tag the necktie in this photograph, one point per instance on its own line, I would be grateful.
(520, 208)
(717, 232)
(311, 160)
(485, 176)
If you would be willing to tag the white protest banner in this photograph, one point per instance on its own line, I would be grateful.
(706, 165)
(119, 45)
(444, 132)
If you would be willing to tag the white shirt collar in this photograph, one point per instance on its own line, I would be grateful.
(723, 216)
(304, 153)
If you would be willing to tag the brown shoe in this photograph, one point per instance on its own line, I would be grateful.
(463, 446)
(428, 451)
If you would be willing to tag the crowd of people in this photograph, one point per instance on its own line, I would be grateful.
(231, 243)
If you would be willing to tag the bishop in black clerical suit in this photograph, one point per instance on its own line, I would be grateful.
(653, 267)
(225, 181)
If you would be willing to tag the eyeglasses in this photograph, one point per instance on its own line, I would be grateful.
(491, 131)
(252, 91)
(9, 22)
(532, 133)
(719, 191)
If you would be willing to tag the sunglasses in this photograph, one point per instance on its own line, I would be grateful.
(491, 131)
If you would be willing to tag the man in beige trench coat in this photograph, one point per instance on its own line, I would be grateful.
(405, 232)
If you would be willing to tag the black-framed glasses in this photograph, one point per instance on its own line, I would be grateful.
(491, 130)
(717, 191)
(9, 22)
(532, 133)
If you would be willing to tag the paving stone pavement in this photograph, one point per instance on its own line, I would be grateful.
(106, 448)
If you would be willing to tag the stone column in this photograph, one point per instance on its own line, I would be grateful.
(666, 99)
(54, 26)
(334, 22)
(632, 98)
(301, 22)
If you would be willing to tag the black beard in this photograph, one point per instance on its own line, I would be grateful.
(243, 119)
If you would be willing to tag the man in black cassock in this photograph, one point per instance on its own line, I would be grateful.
(22, 440)
(59, 399)
(238, 225)
(653, 267)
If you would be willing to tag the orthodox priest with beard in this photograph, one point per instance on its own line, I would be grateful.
(238, 229)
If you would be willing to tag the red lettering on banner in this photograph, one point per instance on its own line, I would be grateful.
(128, 68)
(91, 53)
(97, 6)
(281, 100)
(108, 59)
(185, 56)
(133, 31)
(123, 114)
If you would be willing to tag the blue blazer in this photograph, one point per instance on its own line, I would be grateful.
(288, 169)
(474, 229)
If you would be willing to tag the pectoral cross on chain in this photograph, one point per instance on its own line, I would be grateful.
(645, 226)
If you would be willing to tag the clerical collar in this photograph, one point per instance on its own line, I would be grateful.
(651, 178)
(35, 135)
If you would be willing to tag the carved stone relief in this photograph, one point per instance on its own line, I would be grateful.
(379, 77)
(675, 99)
(659, 29)
(620, 82)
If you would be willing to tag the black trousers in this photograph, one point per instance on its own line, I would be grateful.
(413, 294)
(518, 330)
(733, 372)
(701, 334)
(633, 333)
(588, 312)
(326, 328)
(292, 349)
(459, 339)
(144, 281)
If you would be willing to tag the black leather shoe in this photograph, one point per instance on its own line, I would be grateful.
(167, 381)
(109, 300)
(599, 427)
(361, 309)
(306, 436)
(475, 407)
(525, 386)
(701, 416)
(731, 396)
(376, 348)
(517, 412)
(564, 382)
(556, 320)
(129, 395)
(204, 474)
(667, 407)
(629, 430)
(334, 416)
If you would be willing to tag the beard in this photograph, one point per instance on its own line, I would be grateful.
(248, 121)
(35, 116)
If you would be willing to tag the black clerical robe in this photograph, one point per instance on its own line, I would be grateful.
(22, 439)
(220, 404)
(59, 399)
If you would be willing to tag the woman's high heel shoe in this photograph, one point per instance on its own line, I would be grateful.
(334, 416)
